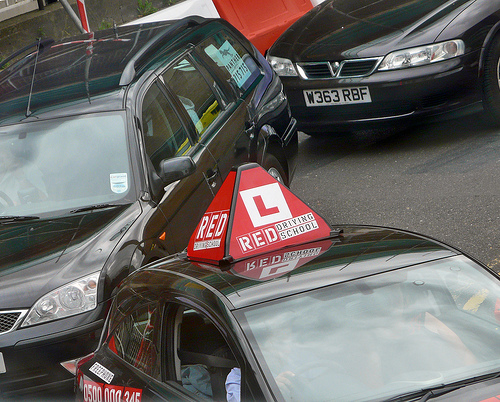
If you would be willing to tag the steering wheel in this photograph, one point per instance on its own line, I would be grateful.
(5, 201)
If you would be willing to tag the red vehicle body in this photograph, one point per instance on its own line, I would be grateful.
(261, 21)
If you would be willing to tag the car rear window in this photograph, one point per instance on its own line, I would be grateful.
(233, 60)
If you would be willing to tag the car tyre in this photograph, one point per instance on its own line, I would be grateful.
(491, 83)
(274, 168)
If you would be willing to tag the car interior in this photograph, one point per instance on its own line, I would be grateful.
(205, 358)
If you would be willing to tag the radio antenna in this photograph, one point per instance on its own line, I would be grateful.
(28, 111)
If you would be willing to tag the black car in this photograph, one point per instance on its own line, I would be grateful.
(362, 313)
(112, 145)
(358, 64)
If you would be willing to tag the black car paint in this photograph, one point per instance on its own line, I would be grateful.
(38, 256)
(340, 30)
(220, 294)
(385, 26)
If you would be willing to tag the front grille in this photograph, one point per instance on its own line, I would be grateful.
(10, 319)
(344, 69)
(357, 68)
(316, 70)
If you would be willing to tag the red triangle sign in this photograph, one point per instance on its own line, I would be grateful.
(253, 214)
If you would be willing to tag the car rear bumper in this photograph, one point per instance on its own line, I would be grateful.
(32, 355)
(395, 95)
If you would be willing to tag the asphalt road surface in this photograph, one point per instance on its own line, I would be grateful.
(439, 179)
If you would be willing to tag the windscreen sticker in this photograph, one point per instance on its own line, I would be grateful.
(234, 64)
(102, 372)
(97, 392)
(119, 182)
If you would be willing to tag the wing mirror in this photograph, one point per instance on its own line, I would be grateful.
(176, 168)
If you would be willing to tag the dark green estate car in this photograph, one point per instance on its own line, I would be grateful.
(112, 145)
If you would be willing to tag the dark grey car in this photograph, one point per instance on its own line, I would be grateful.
(112, 146)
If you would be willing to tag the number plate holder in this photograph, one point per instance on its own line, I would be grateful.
(3, 369)
(336, 96)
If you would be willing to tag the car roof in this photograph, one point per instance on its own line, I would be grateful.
(85, 66)
(357, 252)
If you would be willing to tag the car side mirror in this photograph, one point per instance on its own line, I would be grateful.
(176, 168)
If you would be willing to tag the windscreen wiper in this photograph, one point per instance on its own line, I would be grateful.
(17, 218)
(93, 207)
(425, 394)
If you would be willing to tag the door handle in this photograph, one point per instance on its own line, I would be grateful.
(211, 179)
(250, 129)
(211, 174)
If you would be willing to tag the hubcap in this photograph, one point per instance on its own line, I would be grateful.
(276, 174)
(498, 73)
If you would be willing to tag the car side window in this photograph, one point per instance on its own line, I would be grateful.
(196, 91)
(238, 66)
(136, 340)
(164, 135)
(472, 297)
(203, 355)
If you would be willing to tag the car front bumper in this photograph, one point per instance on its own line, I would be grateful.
(397, 95)
(291, 147)
(32, 355)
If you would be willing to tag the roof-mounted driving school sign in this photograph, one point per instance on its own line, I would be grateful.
(274, 264)
(253, 214)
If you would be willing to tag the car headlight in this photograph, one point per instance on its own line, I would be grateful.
(273, 104)
(73, 298)
(419, 56)
(282, 67)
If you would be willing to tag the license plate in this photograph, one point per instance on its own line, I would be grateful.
(3, 369)
(337, 96)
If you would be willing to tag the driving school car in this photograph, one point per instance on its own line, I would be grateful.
(112, 145)
(270, 302)
(353, 64)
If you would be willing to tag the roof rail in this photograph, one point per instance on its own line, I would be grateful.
(42, 43)
(129, 71)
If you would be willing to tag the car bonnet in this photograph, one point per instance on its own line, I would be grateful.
(39, 256)
(343, 29)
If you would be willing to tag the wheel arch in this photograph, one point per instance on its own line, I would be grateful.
(489, 39)
(271, 143)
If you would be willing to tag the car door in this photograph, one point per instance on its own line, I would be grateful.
(218, 116)
(128, 365)
(167, 134)
(201, 354)
(230, 63)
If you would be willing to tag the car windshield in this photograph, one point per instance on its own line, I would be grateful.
(376, 338)
(60, 164)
